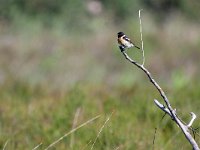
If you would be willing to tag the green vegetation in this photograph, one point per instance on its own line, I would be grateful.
(58, 57)
(44, 116)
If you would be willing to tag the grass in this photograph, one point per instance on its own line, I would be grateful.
(45, 118)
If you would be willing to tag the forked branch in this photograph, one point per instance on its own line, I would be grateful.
(167, 109)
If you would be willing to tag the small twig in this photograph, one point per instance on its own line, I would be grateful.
(101, 129)
(162, 107)
(192, 120)
(70, 132)
(74, 125)
(5, 144)
(37, 146)
(193, 132)
(154, 137)
(143, 57)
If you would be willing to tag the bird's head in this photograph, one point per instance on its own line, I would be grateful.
(120, 34)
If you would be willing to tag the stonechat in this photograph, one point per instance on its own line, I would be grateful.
(125, 42)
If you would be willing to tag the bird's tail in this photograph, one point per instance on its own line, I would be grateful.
(137, 47)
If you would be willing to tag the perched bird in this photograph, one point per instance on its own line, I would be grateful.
(125, 42)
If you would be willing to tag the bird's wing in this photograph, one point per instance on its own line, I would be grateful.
(127, 39)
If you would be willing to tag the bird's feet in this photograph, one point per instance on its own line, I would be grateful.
(122, 48)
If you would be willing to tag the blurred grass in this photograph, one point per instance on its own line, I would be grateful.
(51, 65)
(62, 57)
(46, 117)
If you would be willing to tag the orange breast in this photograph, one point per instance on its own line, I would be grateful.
(119, 41)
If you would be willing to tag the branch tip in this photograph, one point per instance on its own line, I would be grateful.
(142, 43)
(192, 120)
(162, 107)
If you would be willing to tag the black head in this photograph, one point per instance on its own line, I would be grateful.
(120, 34)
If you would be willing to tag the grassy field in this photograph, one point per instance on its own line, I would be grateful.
(53, 79)
(34, 115)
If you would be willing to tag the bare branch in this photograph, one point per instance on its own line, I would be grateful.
(162, 107)
(168, 109)
(183, 127)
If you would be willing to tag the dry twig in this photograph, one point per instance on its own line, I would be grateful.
(141, 38)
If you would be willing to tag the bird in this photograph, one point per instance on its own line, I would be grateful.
(125, 42)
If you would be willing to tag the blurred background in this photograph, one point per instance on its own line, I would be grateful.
(62, 55)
